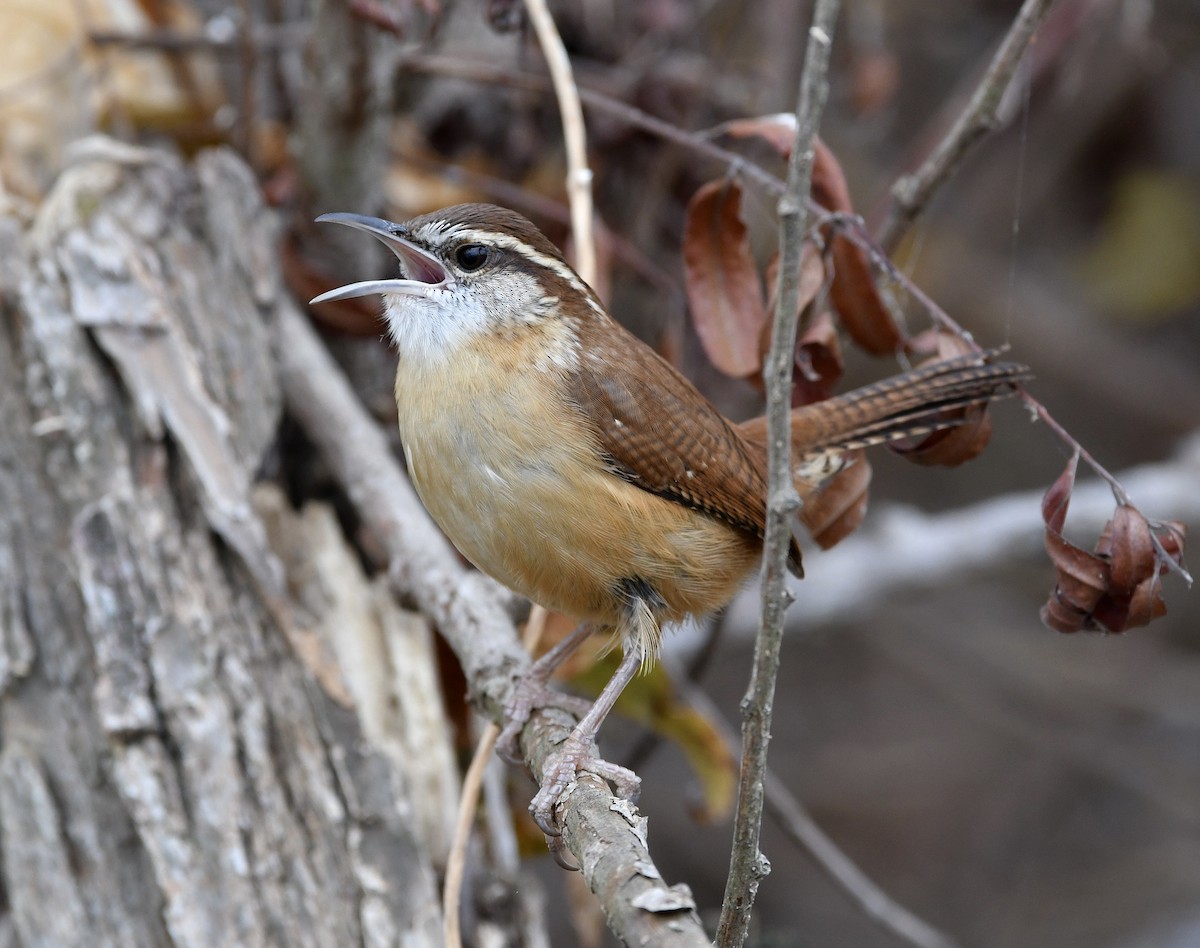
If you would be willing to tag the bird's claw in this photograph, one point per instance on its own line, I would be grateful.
(572, 757)
(527, 697)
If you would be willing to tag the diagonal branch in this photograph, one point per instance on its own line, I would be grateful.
(912, 192)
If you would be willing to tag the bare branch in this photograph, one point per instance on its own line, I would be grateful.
(747, 865)
(462, 67)
(790, 814)
(912, 192)
(467, 803)
(873, 901)
(579, 175)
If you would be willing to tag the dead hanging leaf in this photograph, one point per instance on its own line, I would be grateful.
(818, 362)
(836, 510)
(855, 296)
(952, 446)
(1130, 550)
(1119, 585)
(966, 431)
(723, 287)
(818, 350)
(1082, 576)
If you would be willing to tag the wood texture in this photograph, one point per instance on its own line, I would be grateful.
(171, 773)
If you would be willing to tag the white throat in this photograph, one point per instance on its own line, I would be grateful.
(433, 327)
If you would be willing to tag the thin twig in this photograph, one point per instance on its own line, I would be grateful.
(803, 830)
(579, 175)
(461, 66)
(247, 78)
(747, 866)
(912, 192)
(456, 865)
(263, 36)
(468, 801)
(876, 904)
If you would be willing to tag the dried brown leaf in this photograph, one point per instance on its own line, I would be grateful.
(854, 293)
(1082, 576)
(723, 287)
(1132, 557)
(1119, 585)
(818, 362)
(818, 350)
(949, 447)
(1058, 496)
(1061, 616)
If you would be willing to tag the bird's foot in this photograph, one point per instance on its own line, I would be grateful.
(530, 695)
(573, 756)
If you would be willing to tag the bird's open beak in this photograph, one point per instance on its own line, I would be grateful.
(420, 271)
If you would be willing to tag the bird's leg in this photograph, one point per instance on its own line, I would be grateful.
(578, 751)
(532, 692)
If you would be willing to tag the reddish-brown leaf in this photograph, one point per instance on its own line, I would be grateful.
(854, 293)
(1171, 537)
(839, 506)
(855, 296)
(829, 188)
(1132, 557)
(1061, 616)
(1082, 576)
(818, 362)
(818, 351)
(1058, 496)
(949, 447)
(1119, 586)
(723, 287)
(1146, 605)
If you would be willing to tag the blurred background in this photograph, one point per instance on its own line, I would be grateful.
(1010, 785)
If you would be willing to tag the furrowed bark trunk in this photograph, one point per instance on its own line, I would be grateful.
(181, 762)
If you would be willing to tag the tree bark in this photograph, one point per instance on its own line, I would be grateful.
(180, 760)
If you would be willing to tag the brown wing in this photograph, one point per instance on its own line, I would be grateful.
(661, 434)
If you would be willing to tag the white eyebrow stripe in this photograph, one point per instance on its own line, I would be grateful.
(508, 242)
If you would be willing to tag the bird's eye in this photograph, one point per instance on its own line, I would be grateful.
(471, 256)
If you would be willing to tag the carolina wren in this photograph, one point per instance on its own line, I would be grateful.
(565, 458)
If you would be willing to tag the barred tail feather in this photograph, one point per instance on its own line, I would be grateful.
(905, 406)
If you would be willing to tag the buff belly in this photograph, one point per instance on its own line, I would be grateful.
(524, 497)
